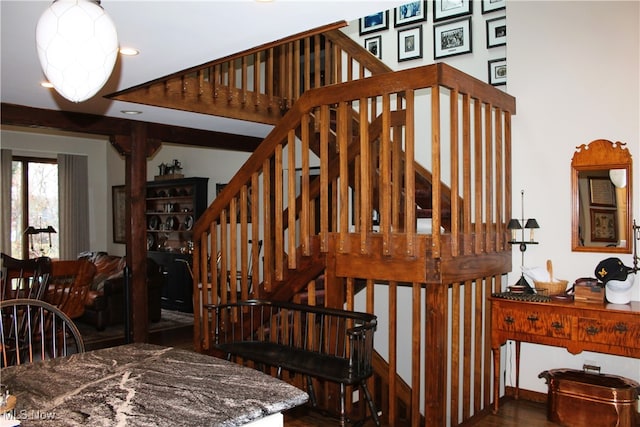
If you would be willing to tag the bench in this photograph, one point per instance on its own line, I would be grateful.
(330, 344)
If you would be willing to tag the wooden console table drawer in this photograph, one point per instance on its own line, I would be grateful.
(535, 322)
(576, 326)
(613, 332)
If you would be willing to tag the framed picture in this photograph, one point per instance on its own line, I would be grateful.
(447, 9)
(602, 192)
(452, 38)
(603, 225)
(408, 13)
(497, 32)
(376, 22)
(410, 43)
(374, 46)
(119, 214)
(498, 72)
(493, 5)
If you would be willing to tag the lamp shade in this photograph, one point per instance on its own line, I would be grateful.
(531, 223)
(618, 177)
(514, 224)
(77, 46)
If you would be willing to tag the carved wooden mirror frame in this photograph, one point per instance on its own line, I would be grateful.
(590, 167)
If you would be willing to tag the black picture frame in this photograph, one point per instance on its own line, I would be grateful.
(410, 13)
(452, 38)
(119, 213)
(497, 69)
(489, 6)
(375, 22)
(374, 45)
(496, 32)
(449, 9)
(410, 43)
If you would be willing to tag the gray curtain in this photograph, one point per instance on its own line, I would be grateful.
(73, 178)
(5, 201)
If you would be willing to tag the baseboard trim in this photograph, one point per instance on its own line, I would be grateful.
(533, 396)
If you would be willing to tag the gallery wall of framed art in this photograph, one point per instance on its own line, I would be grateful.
(469, 35)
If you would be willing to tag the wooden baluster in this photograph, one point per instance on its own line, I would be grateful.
(488, 178)
(477, 167)
(466, 177)
(291, 200)
(305, 225)
(244, 84)
(278, 208)
(267, 210)
(455, 165)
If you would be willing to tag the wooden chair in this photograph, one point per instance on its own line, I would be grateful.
(318, 342)
(33, 330)
(69, 285)
(23, 278)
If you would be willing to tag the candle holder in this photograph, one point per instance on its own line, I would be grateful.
(521, 225)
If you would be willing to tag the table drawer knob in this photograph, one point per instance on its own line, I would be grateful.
(620, 327)
(557, 325)
(532, 317)
(509, 320)
(592, 330)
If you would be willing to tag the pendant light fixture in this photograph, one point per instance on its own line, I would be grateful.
(77, 46)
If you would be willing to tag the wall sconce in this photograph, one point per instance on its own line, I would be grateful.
(517, 224)
(77, 46)
(618, 177)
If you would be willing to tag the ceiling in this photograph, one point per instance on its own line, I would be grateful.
(171, 36)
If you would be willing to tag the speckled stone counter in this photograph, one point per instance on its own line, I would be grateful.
(145, 385)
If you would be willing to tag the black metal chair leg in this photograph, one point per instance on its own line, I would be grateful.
(372, 406)
(311, 392)
(343, 416)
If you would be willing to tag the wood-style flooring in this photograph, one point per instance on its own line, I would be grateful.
(513, 413)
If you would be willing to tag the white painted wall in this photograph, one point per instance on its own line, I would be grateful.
(574, 70)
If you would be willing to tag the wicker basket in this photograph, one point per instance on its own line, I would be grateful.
(551, 288)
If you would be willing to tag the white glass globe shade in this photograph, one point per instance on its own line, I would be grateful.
(77, 46)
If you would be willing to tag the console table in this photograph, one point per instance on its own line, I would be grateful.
(603, 328)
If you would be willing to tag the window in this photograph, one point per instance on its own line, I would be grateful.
(34, 202)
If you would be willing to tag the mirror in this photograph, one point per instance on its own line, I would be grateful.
(601, 197)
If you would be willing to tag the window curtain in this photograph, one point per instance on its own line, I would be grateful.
(5, 201)
(73, 194)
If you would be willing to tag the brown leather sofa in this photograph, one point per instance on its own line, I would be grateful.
(105, 303)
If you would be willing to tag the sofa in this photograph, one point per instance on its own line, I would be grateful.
(105, 301)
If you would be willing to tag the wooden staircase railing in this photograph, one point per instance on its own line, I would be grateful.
(262, 83)
(467, 149)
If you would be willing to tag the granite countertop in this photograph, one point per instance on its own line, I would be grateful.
(145, 385)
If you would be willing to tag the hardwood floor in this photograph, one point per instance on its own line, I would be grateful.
(513, 413)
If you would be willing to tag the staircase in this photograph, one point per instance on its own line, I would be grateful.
(336, 192)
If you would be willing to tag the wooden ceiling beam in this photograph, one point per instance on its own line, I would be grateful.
(18, 115)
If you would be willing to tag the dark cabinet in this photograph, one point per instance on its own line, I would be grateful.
(172, 208)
